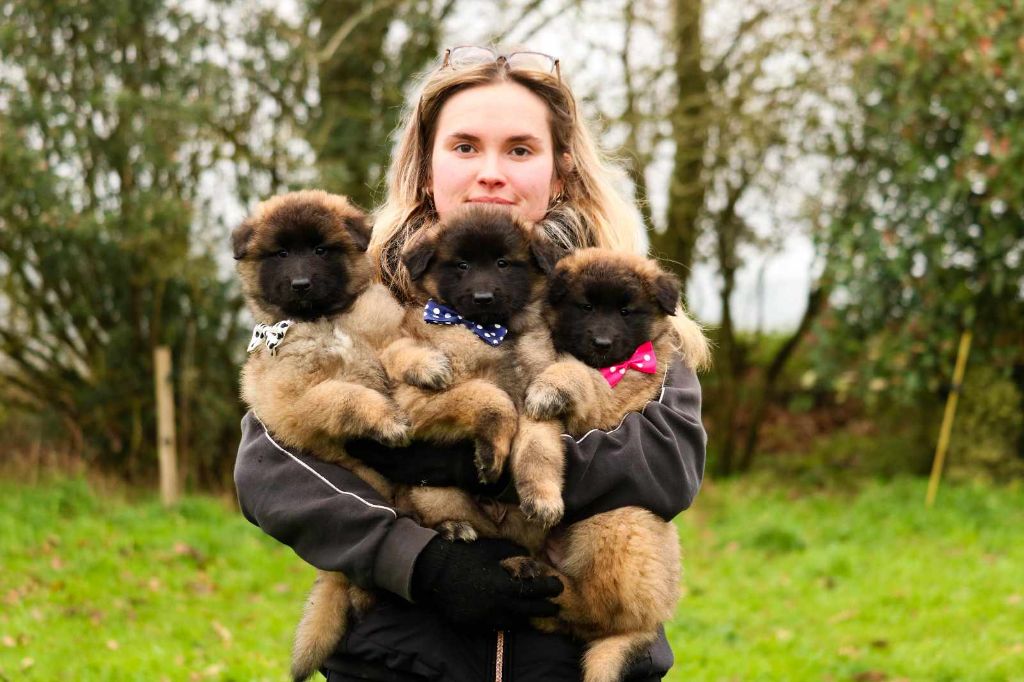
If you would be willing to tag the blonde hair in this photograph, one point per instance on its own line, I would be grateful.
(589, 212)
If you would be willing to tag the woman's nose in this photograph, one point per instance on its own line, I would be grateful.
(491, 173)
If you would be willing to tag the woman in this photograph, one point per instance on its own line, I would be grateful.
(499, 129)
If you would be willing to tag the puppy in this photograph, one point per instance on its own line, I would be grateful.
(313, 374)
(609, 318)
(478, 278)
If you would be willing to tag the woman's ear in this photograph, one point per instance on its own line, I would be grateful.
(418, 253)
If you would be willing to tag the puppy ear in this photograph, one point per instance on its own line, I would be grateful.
(545, 252)
(418, 253)
(666, 292)
(359, 231)
(558, 286)
(240, 238)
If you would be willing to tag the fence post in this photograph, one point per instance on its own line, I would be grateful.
(947, 418)
(166, 449)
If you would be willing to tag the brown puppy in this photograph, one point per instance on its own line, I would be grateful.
(479, 275)
(313, 377)
(609, 318)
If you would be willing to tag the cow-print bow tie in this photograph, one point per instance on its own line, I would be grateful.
(643, 360)
(271, 334)
(438, 313)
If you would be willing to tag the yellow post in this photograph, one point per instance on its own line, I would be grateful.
(947, 418)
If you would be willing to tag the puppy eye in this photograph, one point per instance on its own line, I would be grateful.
(624, 312)
(586, 306)
(462, 265)
(502, 263)
(320, 250)
(282, 254)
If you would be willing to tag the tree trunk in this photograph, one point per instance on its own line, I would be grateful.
(689, 132)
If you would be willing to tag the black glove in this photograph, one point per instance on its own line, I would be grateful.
(466, 584)
(425, 463)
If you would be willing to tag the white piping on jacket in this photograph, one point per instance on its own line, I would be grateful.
(623, 421)
(316, 473)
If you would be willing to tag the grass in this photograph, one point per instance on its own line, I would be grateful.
(783, 582)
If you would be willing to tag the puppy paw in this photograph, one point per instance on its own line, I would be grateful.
(434, 374)
(547, 401)
(392, 430)
(546, 509)
(460, 531)
(488, 462)
(523, 567)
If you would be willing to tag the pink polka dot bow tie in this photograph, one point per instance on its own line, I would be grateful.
(643, 360)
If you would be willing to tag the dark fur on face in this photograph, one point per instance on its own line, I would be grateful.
(483, 262)
(302, 255)
(604, 304)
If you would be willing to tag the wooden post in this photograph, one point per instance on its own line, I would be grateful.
(947, 418)
(166, 450)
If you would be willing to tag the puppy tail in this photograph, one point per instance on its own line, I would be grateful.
(322, 626)
(606, 658)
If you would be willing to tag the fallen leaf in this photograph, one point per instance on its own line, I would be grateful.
(871, 676)
(56, 563)
(281, 588)
(783, 635)
(842, 616)
(849, 651)
(154, 584)
(27, 663)
(879, 644)
(9, 641)
(113, 645)
(214, 670)
(1014, 599)
(222, 632)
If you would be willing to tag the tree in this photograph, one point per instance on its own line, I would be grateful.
(114, 116)
(931, 153)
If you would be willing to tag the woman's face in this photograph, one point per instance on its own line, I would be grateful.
(493, 144)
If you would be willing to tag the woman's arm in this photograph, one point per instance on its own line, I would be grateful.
(329, 516)
(654, 459)
(336, 522)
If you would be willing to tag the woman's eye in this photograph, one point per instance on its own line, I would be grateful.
(282, 254)
(464, 148)
(462, 265)
(502, 263)
(320, 250)
(521, 151)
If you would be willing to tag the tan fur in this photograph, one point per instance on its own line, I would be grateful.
(453, 387)
(621, 568)
(323, 385)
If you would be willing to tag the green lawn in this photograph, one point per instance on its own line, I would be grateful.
(781, 584)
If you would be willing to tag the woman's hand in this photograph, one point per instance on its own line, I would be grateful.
(466, 583)
(428, 464)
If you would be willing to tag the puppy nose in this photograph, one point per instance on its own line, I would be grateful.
(483, 298)
(301, 285)
(601, 342)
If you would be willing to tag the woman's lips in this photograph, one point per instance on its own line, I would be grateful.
(491, 200)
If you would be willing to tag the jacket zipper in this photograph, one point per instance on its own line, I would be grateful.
(499, 658)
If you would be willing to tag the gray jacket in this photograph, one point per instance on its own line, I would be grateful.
(333, 520)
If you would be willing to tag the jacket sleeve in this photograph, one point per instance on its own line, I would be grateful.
(654, 459)
(329, 516)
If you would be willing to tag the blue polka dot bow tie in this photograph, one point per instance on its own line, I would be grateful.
(438, 313)
(271, 334)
